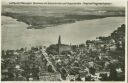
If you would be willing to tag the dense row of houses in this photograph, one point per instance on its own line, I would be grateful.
(94, 60)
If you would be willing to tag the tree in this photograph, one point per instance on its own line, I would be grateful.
(63, 73)
(92, 70)
(50, 69)
(113, 72)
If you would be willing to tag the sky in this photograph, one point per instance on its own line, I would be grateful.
(114, 2)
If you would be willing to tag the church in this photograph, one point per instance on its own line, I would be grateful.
(59, 48)
(62, 47)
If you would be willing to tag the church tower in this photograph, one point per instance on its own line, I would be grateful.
(59, 40)
(59, 44)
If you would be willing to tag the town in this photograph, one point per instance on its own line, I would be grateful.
(102, 59)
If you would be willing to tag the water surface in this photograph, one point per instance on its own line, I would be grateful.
(16, 35)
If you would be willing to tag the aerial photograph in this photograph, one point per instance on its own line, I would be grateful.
(63, 43)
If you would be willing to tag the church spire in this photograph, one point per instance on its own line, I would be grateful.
(59, 40)
(59, 44)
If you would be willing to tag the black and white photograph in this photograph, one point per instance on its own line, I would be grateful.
(75, 40)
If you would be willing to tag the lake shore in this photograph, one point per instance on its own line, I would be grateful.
(39, 22)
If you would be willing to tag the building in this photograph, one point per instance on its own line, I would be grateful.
(62, 47)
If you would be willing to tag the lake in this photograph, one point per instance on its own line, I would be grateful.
(15, 34)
